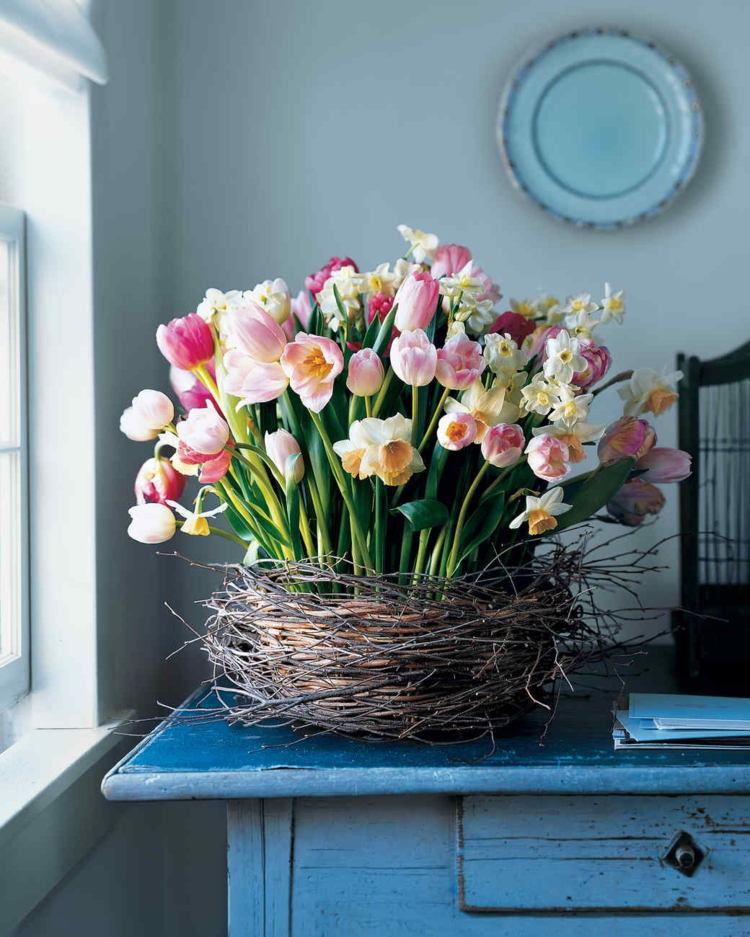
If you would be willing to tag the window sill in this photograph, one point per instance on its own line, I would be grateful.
(51, 811)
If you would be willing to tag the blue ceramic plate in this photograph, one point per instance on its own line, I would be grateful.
(601, 128)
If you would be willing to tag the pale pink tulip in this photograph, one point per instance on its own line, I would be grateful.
(151, 523)
(449, 260)
(189, 389)
(627, 438)
(301, 308)
(279, 446)
(249, 328)
(664, 465)
(365, 375)
(598, 360)
(548, 457)
(634, 501)
(503, 444)
(312, 364)
(414, 358)
(216, 467)
(460, 362)
(252, 381)
(456, 430)
(148, 415)
(204, 431)
(416, 299)
(187, 343)
(158, 482)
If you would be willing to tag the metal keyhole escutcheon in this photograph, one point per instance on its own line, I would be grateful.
(684, 854)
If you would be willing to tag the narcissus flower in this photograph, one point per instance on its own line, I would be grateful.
(423, 245)
(279, 446)
(312, 364)
(382, 448)
(523, 307)
(548, 457)
(563, 357)
(540, 396)
(570, 407)
(649, 391)
(664, 465)
(157, 482)
(148, 415)
(503, 444)
(459, 363)
(456, 430)
(574, 305)
(502, 354)
(151, 523)
(196, 524)
(217, 302)
(416, 299)
(204, 431)
(365, 374)
(187, 343)
(541, 512)
(635, 501)
(488, 407)
(273, 296)
(627, 438)
(414, 358)
(613, 305)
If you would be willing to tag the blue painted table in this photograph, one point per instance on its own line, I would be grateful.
(329, 836)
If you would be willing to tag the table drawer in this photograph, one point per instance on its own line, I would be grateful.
(603, 853)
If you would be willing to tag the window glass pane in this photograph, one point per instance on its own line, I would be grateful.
(10, 555)
(9, 355)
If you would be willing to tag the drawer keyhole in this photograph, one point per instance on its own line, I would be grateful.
(684, 854)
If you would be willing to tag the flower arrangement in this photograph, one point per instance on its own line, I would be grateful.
(395, 417)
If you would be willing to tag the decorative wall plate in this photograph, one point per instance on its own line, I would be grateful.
(601, 128)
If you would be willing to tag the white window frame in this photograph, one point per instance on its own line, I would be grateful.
(15, 661)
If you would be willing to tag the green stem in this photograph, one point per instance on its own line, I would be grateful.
(380, 399)
(304, 526)
(437, 550)
(414, 414)
(228, 536)
(424, 537)
(368, 406)
(435, 418)
(453, 559)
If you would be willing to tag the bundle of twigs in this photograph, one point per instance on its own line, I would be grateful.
(408, 657)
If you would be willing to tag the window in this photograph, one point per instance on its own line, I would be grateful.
(14, 617)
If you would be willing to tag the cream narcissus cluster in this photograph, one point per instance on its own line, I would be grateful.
(396, 417)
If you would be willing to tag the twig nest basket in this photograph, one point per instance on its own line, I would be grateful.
(395, 656)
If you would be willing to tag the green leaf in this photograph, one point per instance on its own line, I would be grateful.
(293, 503)
(384, 334)
(315, 323)
(423, 514)
(341, 307)
(435, 471)
(483, 523)
(591, 492)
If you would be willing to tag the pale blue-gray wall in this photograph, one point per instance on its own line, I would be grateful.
(248, 139)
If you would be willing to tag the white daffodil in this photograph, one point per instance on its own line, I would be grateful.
(502, 354)
(478, 316)
(541, 512)
(488, 407)
(523, 307)
(462, 284)
(540, 396)
(613, 305)
(563, 358)
(215, 301)
(456, 328)
(580, 303)
(573, 436)
(382, 448)
(423, 245)
(544, 303)
(273, 296)
(511, 383)
(195, 522)
(349, 284)
(401, 270)
(570, 408)
(380, 280)
(580, 324)
(649, 391)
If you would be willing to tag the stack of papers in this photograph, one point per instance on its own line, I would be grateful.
(665, 720)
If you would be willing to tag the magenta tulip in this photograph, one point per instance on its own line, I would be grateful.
(158, 482)
(187, 343)
(598, 360)
(515, 325)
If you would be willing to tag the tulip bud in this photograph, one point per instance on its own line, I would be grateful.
(456, 430)
(414, 358)
(279, 446)
(548, 457)
(187, 343)
(249, 328)
(459, 363)
(628, 438)
(416, 299)
(598, 360)
(365, 375)
(634, 501)
(664, 465)
(503, 444)
(149, 413)
(204, 431)
(449, 259)
(157, 482)
(151, 523)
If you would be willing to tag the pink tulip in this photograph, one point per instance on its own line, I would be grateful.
(365, 375)
(148, 415)
(459, 362)
(252, 381)
(215, 468)
(316, 281)
(249, 328)
(598, 360)
(189, 389)
(312, 364)
(204, 431)
(548, 457)
(624, 439)
(158, 482)
(301, 308)
(187, 343)
(449, 259)
(634, 501)
(279, 446)
(416, 299)
(536, 343)
(456, 430)
(414, 358)
(379, 305)
(664, 465)
(151, 523)
(515, 325)
(503, 444)
(491, 290)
